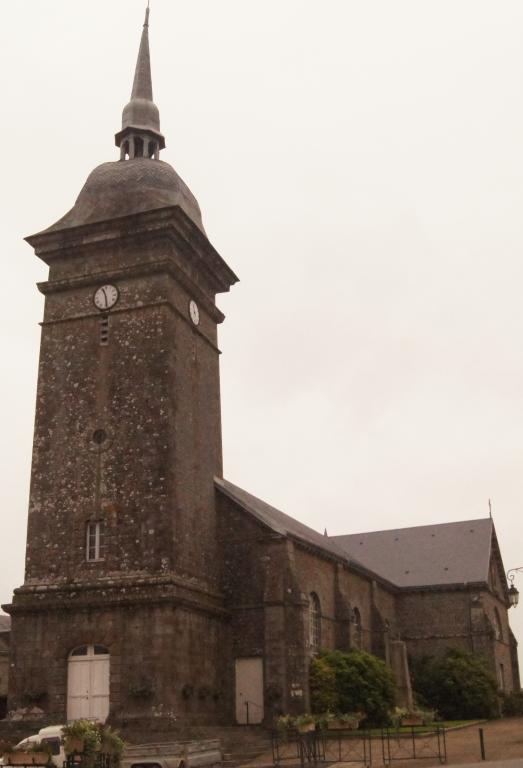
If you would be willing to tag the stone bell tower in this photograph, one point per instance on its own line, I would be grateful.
(121, 562)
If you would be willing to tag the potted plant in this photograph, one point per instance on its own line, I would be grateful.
(81, 736)
(18, 757)
(41, 753)
(30, 754)
(141, 690)
(111, 743)
(347, 721)
(284, 724)
(412, 717)
(305, 723)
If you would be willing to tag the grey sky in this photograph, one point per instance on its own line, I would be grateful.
(360, 166)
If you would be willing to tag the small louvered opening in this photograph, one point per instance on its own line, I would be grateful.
(104, 330)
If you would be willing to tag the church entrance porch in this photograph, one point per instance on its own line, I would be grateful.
(88, 683)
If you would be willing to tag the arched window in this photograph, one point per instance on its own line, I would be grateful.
(356, 634)
(498, 626)
(314, 622)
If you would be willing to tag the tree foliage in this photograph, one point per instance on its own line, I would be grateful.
(350, 682)
(512, 704)
(459, 684)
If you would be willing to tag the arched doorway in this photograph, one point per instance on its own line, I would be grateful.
(88, 683)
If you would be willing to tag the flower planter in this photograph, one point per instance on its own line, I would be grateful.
(412, 720)
(306, 728)
(343, 725)
(27, 758)
(73, 746)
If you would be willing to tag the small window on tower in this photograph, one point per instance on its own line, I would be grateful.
(104, 330)
(95, 545)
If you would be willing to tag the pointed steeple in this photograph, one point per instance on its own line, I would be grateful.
(140, 135)
(142, 84)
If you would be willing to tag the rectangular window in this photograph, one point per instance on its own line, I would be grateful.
(95, 541)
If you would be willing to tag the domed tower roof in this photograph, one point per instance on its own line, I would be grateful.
(139, 181)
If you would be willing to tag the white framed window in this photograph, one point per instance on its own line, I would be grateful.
(94, 544)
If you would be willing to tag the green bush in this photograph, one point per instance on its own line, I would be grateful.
(322, 683)
(351, 682)
(459, 685)
(512, 704)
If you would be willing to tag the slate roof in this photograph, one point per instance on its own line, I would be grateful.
(426, 555)
(278, 521)
(422, 556)
(5, 623)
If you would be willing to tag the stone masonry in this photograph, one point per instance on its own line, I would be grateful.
(157, 594)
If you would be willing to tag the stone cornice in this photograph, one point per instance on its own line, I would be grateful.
(117, 592)
(161, 266)
(171, 222)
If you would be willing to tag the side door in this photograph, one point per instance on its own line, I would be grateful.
(249, 691)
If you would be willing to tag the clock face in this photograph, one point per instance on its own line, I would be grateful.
(106, 297)
(194, 312)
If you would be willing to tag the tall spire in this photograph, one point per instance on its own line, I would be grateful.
(142, 85)
(140, 135)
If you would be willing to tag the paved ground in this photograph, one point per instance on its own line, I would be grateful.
(503, 742)
(503, 748)
(494, 764)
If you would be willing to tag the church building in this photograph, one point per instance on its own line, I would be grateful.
(156, 592)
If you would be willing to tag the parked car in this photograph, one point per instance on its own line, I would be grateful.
(176, 754)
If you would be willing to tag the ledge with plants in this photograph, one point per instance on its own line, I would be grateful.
(36, 753)
(404, 717)
(348, 721)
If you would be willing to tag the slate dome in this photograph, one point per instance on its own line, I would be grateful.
(125, 187)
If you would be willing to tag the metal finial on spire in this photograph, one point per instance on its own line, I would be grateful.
(146, 22)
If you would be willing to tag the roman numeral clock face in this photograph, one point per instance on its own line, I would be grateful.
(105, 297)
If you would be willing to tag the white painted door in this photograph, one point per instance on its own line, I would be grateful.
(249, 691)
(88, 683)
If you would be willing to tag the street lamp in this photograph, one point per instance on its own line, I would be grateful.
(513, 593)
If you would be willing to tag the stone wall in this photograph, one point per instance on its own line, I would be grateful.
(153, 389)
(268, 580)
(433, 620)
(4, 671)
(167, 662)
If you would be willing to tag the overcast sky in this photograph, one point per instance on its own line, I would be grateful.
(359, 164)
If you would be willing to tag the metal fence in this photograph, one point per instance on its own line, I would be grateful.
(417, 743)
(323, 748)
